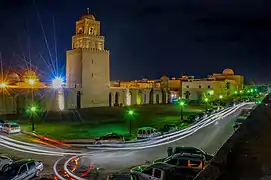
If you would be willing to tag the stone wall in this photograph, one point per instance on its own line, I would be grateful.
(247, 154)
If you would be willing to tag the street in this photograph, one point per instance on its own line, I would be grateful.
(209, 138)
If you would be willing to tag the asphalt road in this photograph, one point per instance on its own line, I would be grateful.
(210, 139)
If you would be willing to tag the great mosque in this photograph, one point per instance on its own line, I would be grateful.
(88, 81)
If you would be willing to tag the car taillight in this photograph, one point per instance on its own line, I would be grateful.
(10, 128)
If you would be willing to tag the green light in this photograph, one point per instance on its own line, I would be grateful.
(130, 112)
(241, 91)
(220, 97)
(235, 92)
(206, 99)
(33, 109)
(182, 103)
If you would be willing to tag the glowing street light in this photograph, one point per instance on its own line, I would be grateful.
(3, 85)
(31, 82)
(57, 83)
(220, 97)
(131, 116)
(130, 112)
(33, 109)
(182, 103)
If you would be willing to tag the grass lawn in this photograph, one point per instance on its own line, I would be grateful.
(105, 120)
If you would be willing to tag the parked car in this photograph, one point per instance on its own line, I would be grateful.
(163, 171)
(11, 128)
(110, 138)
(193, 118)
(202, 115)
(189, 150)
(185, 160)
(238, 121)
(169, 128)
(147, 132)
(22, 170)
(4, 162)
(122, 176)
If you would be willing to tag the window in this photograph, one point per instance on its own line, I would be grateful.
(147, 171)
(23, 169)
(187, 86)
(157, 173)
(31, 165)
(92, 61)
(92, 74)
(209, 86)
(199, 86)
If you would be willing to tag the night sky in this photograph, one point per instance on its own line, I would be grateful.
(146, 38)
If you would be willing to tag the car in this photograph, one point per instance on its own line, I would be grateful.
(147, 132)
(189, 150)
(202, 115)
(4, 162)
(193, 118)
(22, 170)
(238, 122)
(110, 138)
(11, 128)
(2, 122)
(163, 171)
(169, 128)
(186, 160)
(123, 176)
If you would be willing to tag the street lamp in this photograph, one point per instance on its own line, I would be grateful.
(33, 110)
(31, 82)
(57, 83)
(206, 101)
(182, 105)
(3, 85)
(131, 115)
(220, 99)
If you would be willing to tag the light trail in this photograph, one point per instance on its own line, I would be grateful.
(55, 169)
(69, 172)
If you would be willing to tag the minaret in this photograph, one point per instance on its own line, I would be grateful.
(87, 64)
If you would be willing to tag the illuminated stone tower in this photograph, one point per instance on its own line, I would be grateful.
(87, 64)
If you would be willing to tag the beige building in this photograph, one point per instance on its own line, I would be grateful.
(224, 85)
(88, 72)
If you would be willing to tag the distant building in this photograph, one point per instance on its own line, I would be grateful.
(216, 85)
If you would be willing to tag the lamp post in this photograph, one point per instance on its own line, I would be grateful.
(131, 115)
(220, 99)
(206, 105)
(182, 105)
(33, 108)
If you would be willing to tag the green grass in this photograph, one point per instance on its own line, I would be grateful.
(113, 120)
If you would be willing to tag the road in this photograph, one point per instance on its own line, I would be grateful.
(210, 139)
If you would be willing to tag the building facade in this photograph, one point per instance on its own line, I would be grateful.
(88, 71)
(215, 86)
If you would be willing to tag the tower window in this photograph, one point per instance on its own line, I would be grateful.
(80, 31)
(92, 74)
(209, 86)
(187, 86)
(199, 86)
(92, 61)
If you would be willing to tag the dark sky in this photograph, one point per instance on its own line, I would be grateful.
(147, 37)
